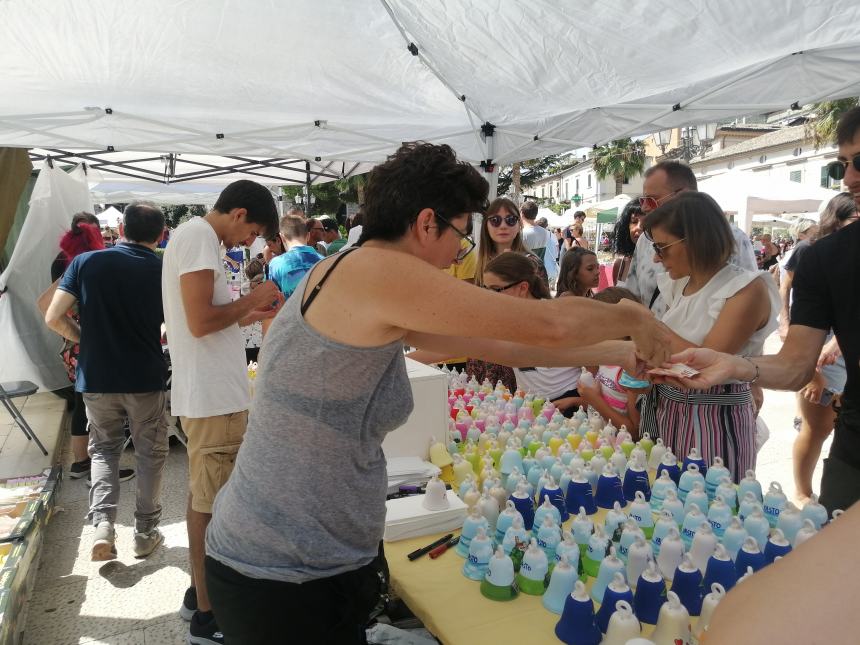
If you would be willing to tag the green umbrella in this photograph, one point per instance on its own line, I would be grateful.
(608, 216)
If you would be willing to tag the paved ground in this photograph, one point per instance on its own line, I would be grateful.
(131, 602)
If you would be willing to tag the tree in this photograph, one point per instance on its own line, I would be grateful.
(823, 128)
(352, 188)
(621, 159)
(327, 198)
(176, 214)
(529, 172)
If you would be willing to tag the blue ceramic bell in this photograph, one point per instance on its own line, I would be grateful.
(774, 501)
(636, 479)
(516, 533)
(687, 586)
(777, 546)
(524, 504)
(669, 464)
(758, 527)
(561, 584)
(473, 522)
(720, 569)
(715, 475)
(549, 537)
(480, 552)
(665, 522)
(749, 556)
(577, 625)
(609, 489)
(650, 594)
(719, 515)
(734, 537)
(692, 521)
(616, 590)
(579, 494)
(814, 512)
(609, 566)
(789, 522)
(533, 570)
(552, 491)
(695, 458)
(728, 492)
(687, 479)
(595, 551)
(749, 484)
(506, 519)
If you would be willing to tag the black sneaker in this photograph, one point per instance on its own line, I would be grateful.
(124, 475)
(204, 633)
(80, 469)
(189, 604)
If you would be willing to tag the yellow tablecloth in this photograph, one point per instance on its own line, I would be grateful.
(451, 606)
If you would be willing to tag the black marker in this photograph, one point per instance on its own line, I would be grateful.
(426, 549)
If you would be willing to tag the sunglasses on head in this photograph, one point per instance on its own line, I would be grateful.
(496, 220)
(651, 203)
(837, 169)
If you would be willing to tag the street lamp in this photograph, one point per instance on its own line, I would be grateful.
(576, 199)
(306, 199)
(696, 140)
(664, 138)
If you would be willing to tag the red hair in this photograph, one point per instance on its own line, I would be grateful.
(82, 237)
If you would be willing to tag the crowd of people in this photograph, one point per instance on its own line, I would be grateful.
(286, 502)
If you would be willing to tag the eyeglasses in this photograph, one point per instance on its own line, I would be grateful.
(496, 220)
(650, 203)
(660, 248)
(500, 289)
(464, 251)
(837, 169)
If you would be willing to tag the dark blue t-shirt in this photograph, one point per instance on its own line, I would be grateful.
(119, 302)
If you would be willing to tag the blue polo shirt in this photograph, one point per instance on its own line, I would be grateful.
(288, 269)
(119, 302)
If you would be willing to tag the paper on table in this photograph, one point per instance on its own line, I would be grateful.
(410, 466)
(407, 517)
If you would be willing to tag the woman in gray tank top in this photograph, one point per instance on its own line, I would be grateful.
(294, 546)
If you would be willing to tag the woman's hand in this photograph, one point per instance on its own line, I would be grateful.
(830, 353)
(715, 368)
(813, 390)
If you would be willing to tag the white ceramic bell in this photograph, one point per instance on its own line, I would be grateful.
(638, 556)
(673, 625)
(671, 554)
(623, 625)
(703, 546)
(709, 604)
(435, 495)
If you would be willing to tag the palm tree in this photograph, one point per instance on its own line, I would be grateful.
(621, 159)
(823, 128)
(352, 188)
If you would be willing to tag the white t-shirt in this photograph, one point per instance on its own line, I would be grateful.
(692, 317)
(210, 377)
(550, 382)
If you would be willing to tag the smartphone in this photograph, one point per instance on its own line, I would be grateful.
(826, 398)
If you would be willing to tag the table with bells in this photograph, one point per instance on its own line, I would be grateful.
(621, 542)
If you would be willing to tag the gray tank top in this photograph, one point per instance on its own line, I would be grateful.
(306, 499)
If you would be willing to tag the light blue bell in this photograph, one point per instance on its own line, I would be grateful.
(516, 532)
(467, 484)
(609, 566)
(628, 537)
(533, 570)
(535, 475)
(582, 528)
(774, 501)
(719, 516)
(561, 584)
(692, 521)
(564, 480)
(598, 462)
(662, 526)
(596, 550)
(728, 492)
(568, 548)
(548, 460)
(698, 497)
(510, 460)
(715, 475)
(473, 522)
(640, 511)
(749, 484)
(506, 519)
(541, 420)
(545, 509)
(814, 512)
(614, 522)
(566, 454)
(549, 537)
(688, 477)
(734, 536)
(473, 434)
(513, 479)
(758, 527)
(478, 560)
(790, 521)
(748, 504)
(557, 469)
(674, 505)
(806, 532)
(591, 476)
(658, 489)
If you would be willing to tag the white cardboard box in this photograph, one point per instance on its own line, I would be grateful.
(429, 417)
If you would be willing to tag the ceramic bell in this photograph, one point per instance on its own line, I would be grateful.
(609, 489)
(670, 464)
(629, 534)
(640, 511)
(513, 479)
(815, 512)
(592, 476)
(533, 570)
(697, 496)
(646, 443)
(524, 504)
(489, 508)
(577, 625)
(790, 520)
(498, 583)
(686, 585)
(497, 492)
(609, 566)
(638, 557)
(658, 491)
(693, 457)
(549, 537)
(598, 463)
(561, 585)
(480, 553)
(553, 492)
(749, 556)
(687, 479)
(516, 532)
(674, 505)
(719, 516)
(650, 594)
(758, 527)
(806, 532)
(557, 469)
(655, 455)
(462, 470)
(727, 491)
(510, 459)
(747, 505)
(619, 460)
(435, 495)
(703, 546)
(709, 604)
(544, 510)
(749, 484)
(614, 522)
(673, 625)
(692, 521)
(581, 528)
(774, 502)
(714, 476)
(595, 551)
(579, 494)
(569, 549)
(636, 480)
(777, 546)
(661, 528)
(616, 590)
(506, 519)
(671, 554)
(623, 625)
(734, 537)
(473, 522)
(720, 569)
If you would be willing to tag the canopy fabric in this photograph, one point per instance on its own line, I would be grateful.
(607, 216)
(339, 82)
(618, 202)
(110, 217)
(556, 221)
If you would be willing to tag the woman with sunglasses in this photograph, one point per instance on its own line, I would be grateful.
(579, 274)
(713, 304)
(514, 274)
(628, 228)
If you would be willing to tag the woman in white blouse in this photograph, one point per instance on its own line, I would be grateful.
(711, 304)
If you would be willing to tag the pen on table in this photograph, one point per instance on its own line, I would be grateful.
(426, 549)
(439, 550)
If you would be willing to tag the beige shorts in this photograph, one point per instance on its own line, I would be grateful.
(212, 446)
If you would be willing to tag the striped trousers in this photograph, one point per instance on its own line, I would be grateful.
(719, 422)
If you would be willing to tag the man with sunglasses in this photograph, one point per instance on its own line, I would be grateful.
(662, 182)
(825, 295)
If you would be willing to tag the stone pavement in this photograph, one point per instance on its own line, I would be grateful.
(134, 602)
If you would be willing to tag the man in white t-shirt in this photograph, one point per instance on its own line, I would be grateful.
(209, 391)
(539, 240)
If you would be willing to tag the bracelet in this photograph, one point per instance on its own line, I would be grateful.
(755, 365)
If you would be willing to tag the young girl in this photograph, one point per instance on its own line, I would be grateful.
(711, 304)
(579, 274)
(516, 275)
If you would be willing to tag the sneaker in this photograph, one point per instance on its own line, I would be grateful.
(103, 542)
(124, 475)
(80, 469)
(146, 543)
(204, 633)
(189, 604)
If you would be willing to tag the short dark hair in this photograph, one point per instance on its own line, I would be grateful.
(328, 224)
(849, 124)
(529, 210)
(519, 267)
(622, 243)
(679, 176)
(839, 209)
(253, 197)
(614, 295)
(419, 175)
(698, 220)
(83, 218)
(293, 227)
(579, 214)
(143, 222)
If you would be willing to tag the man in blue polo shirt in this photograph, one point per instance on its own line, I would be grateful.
(288, 269)
(121, 370)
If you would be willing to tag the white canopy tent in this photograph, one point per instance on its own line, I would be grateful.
(748, 195)
(333, 83)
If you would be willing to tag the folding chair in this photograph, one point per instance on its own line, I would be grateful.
(11, 390)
